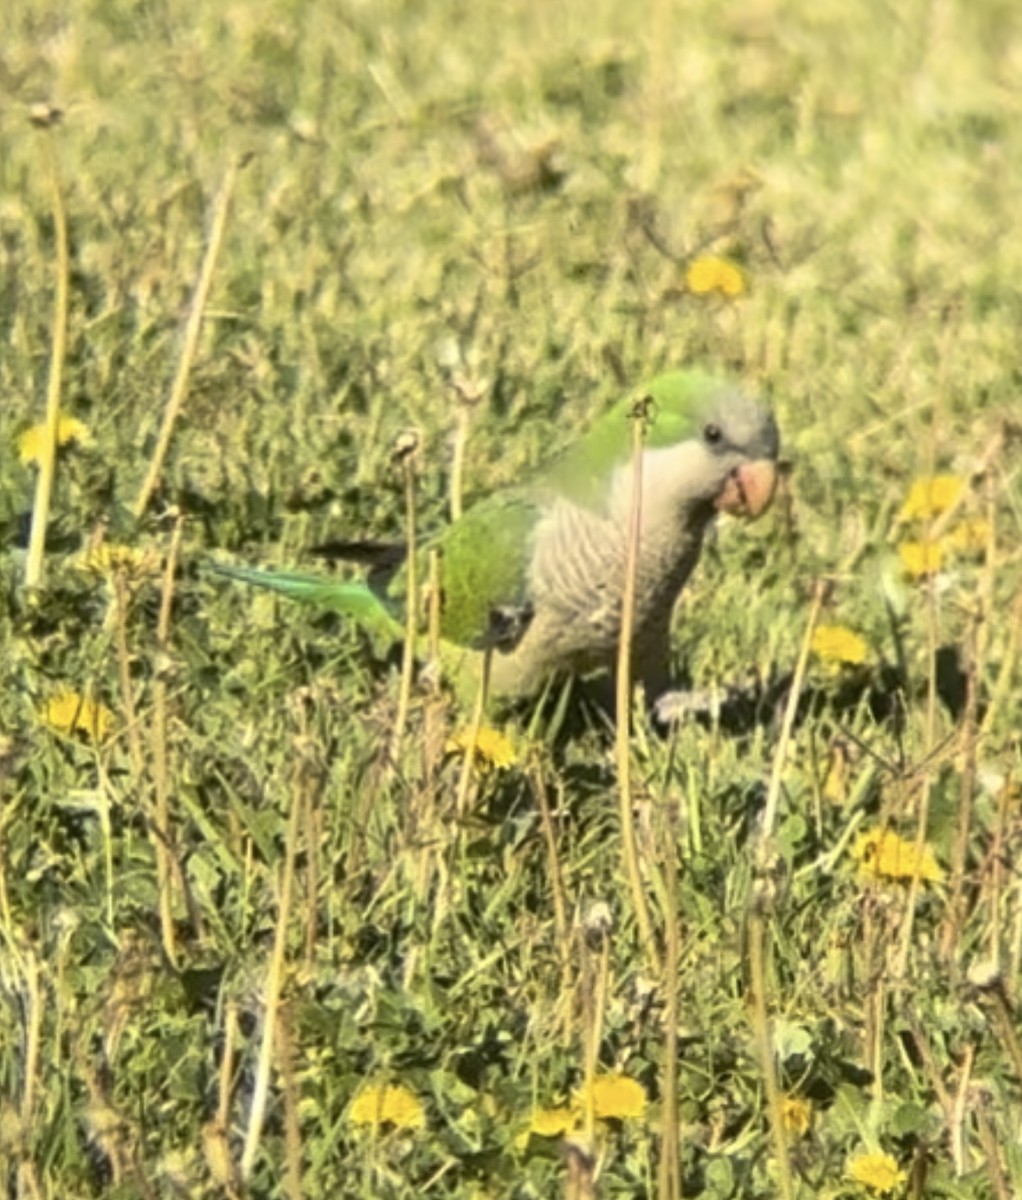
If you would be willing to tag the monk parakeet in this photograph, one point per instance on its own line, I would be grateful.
(537, 571)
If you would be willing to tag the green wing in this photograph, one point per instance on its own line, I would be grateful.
(484, 566)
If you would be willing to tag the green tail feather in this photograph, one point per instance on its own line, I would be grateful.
(350, 598)
(356, 600)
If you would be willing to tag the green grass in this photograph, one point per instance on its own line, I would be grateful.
(432, 196)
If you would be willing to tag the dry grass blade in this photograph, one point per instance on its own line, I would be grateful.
(304, 784)
(669, 1181)
(58, 354)
(761, 907)
(193, 328)
(405, 454)
(623, 704)
(168, 870)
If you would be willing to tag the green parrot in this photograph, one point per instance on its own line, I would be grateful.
(536, 572)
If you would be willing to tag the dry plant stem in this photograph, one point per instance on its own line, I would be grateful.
(167, 869)
(124, 672)
(167, 592)
(1015, 953)
(404, 699)
(292, 1129)
(942, 523)
(33, 1024)
(988, 581)
(468, 762)
(923, 819)
(925, 1052)
(876, 1007)
(996, 952)
(882, 425)
(539, 791)
(58, 354)
(955, 913)
(7, 814)
(120, 610)
(1005, 1022)
(581, 1172)
(596, 995)
(959, 1113)
(193, 327)
(915, 1185)
(226, 1074)
(420, 835)
(103, 803)
(461, 428)
(764, 1047)
(28, 1182)
(312, 845)
(161, 821)
(762, 903)
(1005, 677)
(275, 978)
(669, 1184)
(992, 1154)
(869, 975)
(766, 832)
(215, 1137)
(623, 698)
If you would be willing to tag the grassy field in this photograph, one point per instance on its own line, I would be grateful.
(228, 920)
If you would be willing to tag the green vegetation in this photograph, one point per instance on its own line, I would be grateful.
(451, 217)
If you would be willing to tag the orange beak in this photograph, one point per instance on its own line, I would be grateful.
(749, 489)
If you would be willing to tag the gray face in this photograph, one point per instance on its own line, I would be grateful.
(735, 424)
(683, 483)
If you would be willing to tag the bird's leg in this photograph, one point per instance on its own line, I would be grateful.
(675, 705)
(668, 703)
(651, 660)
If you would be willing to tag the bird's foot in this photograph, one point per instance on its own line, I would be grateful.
(674, 706)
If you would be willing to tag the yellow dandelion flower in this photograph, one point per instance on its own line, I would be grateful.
(921, 558)
(493, 748)
(711, 275)
(551, 1122)
(882, 854)
(878, 1172)
(796, 1114)
(614, 1096)
(107, 558)
(836, 644)
(968, 535)
(32, 443)
(930, 496)
(386, 1104)
(69, 712)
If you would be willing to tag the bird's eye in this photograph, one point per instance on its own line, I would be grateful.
(712, 434)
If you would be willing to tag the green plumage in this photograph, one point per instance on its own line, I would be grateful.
(582, 470)
(483, 565)
(537, 570)
(351, 598)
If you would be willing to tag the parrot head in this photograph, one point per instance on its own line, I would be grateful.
(742, 444)
(712, 447)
